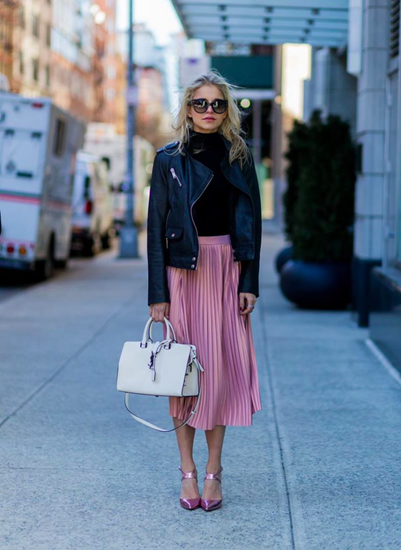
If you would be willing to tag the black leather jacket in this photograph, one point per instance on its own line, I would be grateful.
(172, 239)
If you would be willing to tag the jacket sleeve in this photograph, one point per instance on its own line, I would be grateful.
(249, 276)
(158, 290)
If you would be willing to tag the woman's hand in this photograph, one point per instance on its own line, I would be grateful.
(246, 299)
(159, 311)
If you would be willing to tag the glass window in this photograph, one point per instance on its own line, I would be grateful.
(22, 17)
(35, 69)
(391, 239)
(35, 25)
(48, 34)
(47, 76)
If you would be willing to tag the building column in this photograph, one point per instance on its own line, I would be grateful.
(370, 129)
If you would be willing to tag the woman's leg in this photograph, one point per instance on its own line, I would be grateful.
(185, 440)
(215, 440)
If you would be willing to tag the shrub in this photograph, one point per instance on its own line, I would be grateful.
(297, 149)
(323, 172)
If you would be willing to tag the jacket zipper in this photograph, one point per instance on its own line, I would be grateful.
(175, 176)
(192, 205)
(166, 226)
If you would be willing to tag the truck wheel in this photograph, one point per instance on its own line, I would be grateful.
(88, 248)
(62, 264)
(45, 268)
(106, 241)
(92, 246)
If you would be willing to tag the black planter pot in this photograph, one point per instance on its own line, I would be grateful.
(317, 285)
(282, 258)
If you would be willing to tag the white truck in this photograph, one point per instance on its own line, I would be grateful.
(103, 140)
(38, 148)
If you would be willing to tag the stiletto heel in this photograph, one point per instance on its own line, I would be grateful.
(189, 503)
(209, 504)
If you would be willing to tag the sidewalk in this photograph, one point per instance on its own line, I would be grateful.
(317, 470)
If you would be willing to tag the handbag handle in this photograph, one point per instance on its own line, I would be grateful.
(169, 325)
(150, 425)
(147, 331)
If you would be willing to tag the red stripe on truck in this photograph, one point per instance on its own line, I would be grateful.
(20, 198)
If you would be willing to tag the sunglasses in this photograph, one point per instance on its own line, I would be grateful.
(201, 105)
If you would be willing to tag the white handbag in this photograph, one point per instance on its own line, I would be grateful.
(164, 368)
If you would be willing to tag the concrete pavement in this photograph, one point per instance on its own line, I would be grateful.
(317, 470)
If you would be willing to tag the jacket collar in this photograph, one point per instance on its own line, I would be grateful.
(231, 171)
(226, 141)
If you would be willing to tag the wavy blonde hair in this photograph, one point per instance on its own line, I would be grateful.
(231, 125)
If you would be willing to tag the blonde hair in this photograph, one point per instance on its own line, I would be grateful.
(231, 125)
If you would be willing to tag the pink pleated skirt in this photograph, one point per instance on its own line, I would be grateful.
(204, 310)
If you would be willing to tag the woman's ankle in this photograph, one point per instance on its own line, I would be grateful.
(213, 467)
(188, 465)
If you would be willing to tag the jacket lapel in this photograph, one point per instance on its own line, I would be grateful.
(202, 173)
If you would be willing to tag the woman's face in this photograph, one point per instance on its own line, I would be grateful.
(209, 121)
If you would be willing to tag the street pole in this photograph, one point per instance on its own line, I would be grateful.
(128, 233)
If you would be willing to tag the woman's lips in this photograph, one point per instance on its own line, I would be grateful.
(209, 118)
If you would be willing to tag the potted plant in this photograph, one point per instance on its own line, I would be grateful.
(321, 217)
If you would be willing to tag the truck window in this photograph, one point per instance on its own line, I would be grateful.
(59, 138)
(87, 184)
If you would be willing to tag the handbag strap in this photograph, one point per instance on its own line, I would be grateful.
(149, 424)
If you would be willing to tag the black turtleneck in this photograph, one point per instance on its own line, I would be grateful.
(210, 211)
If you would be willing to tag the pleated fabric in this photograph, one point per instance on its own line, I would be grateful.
(204, 310)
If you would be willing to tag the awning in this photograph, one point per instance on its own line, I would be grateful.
(315, 22)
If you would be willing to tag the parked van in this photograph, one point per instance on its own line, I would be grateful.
(92, 205)
(102, 139)
(38, 147)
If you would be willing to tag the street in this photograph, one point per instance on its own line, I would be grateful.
(319, 468)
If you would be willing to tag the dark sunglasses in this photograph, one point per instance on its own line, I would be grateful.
(201, 105)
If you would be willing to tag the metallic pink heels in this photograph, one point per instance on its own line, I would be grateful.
(189, 503)
(209, 504)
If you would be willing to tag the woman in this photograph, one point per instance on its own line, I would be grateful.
(204, 236)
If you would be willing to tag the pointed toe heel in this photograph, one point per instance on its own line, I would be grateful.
(189, 503)
(210, 504)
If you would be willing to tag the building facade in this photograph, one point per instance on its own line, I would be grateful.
(9, 11)
(362, 84)
(32, 59)
(382, 155)
(64, 49)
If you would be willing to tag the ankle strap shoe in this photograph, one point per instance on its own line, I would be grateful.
(189, 503)
(210, 504)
